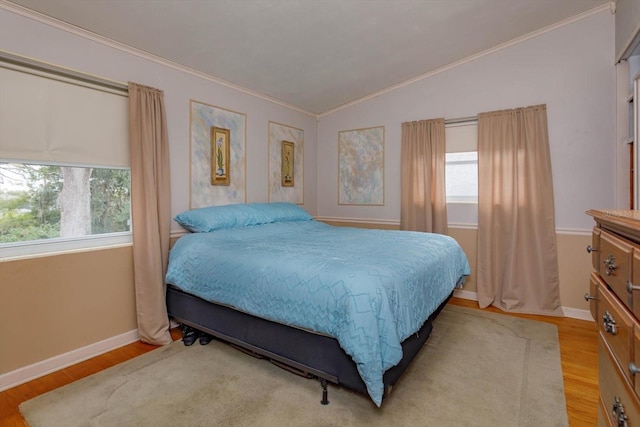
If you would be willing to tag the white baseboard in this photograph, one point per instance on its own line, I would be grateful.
(576, 313)
(39, 369)
(573, 313)
(461, 293)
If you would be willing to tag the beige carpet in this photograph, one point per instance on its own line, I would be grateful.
(477, 369)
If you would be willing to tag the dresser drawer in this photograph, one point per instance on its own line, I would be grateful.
(594, 248)
(594, 284)
(616, 257)
(604, 419)
(616, 327)
(636, 360)
(634, 297)
(615, 392)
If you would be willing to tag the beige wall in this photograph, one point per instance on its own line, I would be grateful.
(55, 304)
(575, 269)
(468, 239)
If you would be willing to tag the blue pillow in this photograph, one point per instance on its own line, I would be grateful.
(204, 220)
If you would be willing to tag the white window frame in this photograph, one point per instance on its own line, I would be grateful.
(457, 198)
(58, 246)
(461, 213)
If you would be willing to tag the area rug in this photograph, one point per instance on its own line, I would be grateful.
(477, 369)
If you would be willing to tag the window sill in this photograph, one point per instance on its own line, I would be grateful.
(462, 202)
(51, 247)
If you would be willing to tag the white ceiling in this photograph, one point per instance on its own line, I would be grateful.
(315, 55)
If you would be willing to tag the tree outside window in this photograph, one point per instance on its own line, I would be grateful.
(46, 201)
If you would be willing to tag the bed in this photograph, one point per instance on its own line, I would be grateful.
(346, 305)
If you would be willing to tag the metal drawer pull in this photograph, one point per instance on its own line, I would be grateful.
(588, 297)
(633, 369)
(631, 287)
(591, 249)
(609, 323)
(610, 263)
(619, 413)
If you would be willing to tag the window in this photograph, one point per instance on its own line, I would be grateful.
(461, 166)
(64, 159)
(47, 202)
(462, 176)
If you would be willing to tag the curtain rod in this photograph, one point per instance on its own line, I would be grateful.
(60, 71)
(461, 120)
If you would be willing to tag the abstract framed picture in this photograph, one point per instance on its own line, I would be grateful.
(361, 166)
(288, 164)
(220, 149)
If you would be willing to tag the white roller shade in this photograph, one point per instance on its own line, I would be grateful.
(460, 138)
(50, 119)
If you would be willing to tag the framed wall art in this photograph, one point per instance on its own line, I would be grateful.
(361, 166)
(288, 164)
(220, 148)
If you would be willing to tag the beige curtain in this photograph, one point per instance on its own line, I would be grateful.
(517, 255)
(150, 209)
(423, 200)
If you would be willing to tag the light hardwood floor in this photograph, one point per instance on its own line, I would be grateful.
(578, 348)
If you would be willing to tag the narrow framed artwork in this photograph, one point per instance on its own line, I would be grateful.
(220, 149)
(282, 140)
(288, 164)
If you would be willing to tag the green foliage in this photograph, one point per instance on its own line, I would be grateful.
(45, 183)
(110, 200)
(34, 214)
(17, 221)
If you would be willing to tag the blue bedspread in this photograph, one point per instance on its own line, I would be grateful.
(369, 289)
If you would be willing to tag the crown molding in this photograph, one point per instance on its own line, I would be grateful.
(80, 32)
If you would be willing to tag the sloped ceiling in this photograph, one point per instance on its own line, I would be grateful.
(315, 55)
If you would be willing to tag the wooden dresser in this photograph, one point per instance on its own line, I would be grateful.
(614, 297)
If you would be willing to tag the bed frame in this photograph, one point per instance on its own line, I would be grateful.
(301, 351)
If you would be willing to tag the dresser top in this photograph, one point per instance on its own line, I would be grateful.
(616, 213)
(625, 222)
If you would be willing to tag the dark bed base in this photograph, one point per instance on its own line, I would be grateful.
(306, 352)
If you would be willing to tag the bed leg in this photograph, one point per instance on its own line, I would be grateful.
(325, 400)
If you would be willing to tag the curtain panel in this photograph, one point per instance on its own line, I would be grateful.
(423, 200)
(517, 253)
(150, 210)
